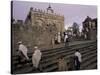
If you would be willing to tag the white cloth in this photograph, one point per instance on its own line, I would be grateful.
(36, 58)
(79, 56)
(85, 36)
(24, 50)
(66, 37)
(59, 38)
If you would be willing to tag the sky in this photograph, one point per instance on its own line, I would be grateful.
(72, 12)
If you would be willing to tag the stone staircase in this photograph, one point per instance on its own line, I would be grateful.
(49, 59)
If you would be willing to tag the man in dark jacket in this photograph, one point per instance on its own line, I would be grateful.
(78, 59)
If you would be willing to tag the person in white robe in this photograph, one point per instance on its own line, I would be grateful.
(36, 57)
(66, 40)
(66, 37)
(23, 49)
(59, 38)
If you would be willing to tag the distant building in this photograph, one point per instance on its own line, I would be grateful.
(90, 28)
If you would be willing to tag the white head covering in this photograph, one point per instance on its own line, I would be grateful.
(59, 33)
(19, 42)
(35, 47)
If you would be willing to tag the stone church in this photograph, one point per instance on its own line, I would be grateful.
(90, 28)
(41, 27)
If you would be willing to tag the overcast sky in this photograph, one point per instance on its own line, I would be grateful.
(72, 13)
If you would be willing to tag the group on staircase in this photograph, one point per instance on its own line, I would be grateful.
(63, 65)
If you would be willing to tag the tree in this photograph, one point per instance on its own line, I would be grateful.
(75, 28)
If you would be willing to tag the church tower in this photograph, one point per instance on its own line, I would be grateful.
(49, 9)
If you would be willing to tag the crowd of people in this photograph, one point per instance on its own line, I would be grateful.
(63, 65)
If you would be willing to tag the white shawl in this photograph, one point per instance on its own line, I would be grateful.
(36, 58)
(24, 50)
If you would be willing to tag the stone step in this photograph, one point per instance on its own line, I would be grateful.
(89, 62)
(91, 66)
(44, 55)
(57, 55)
(72, 46)
(50, 69)
(47, 64)
(53, 62)
(91, 56)
(68, 55)
(60, 51)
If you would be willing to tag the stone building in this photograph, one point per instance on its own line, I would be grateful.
(39, 28)
(45, 18)
(46, 21)
(90, 28)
